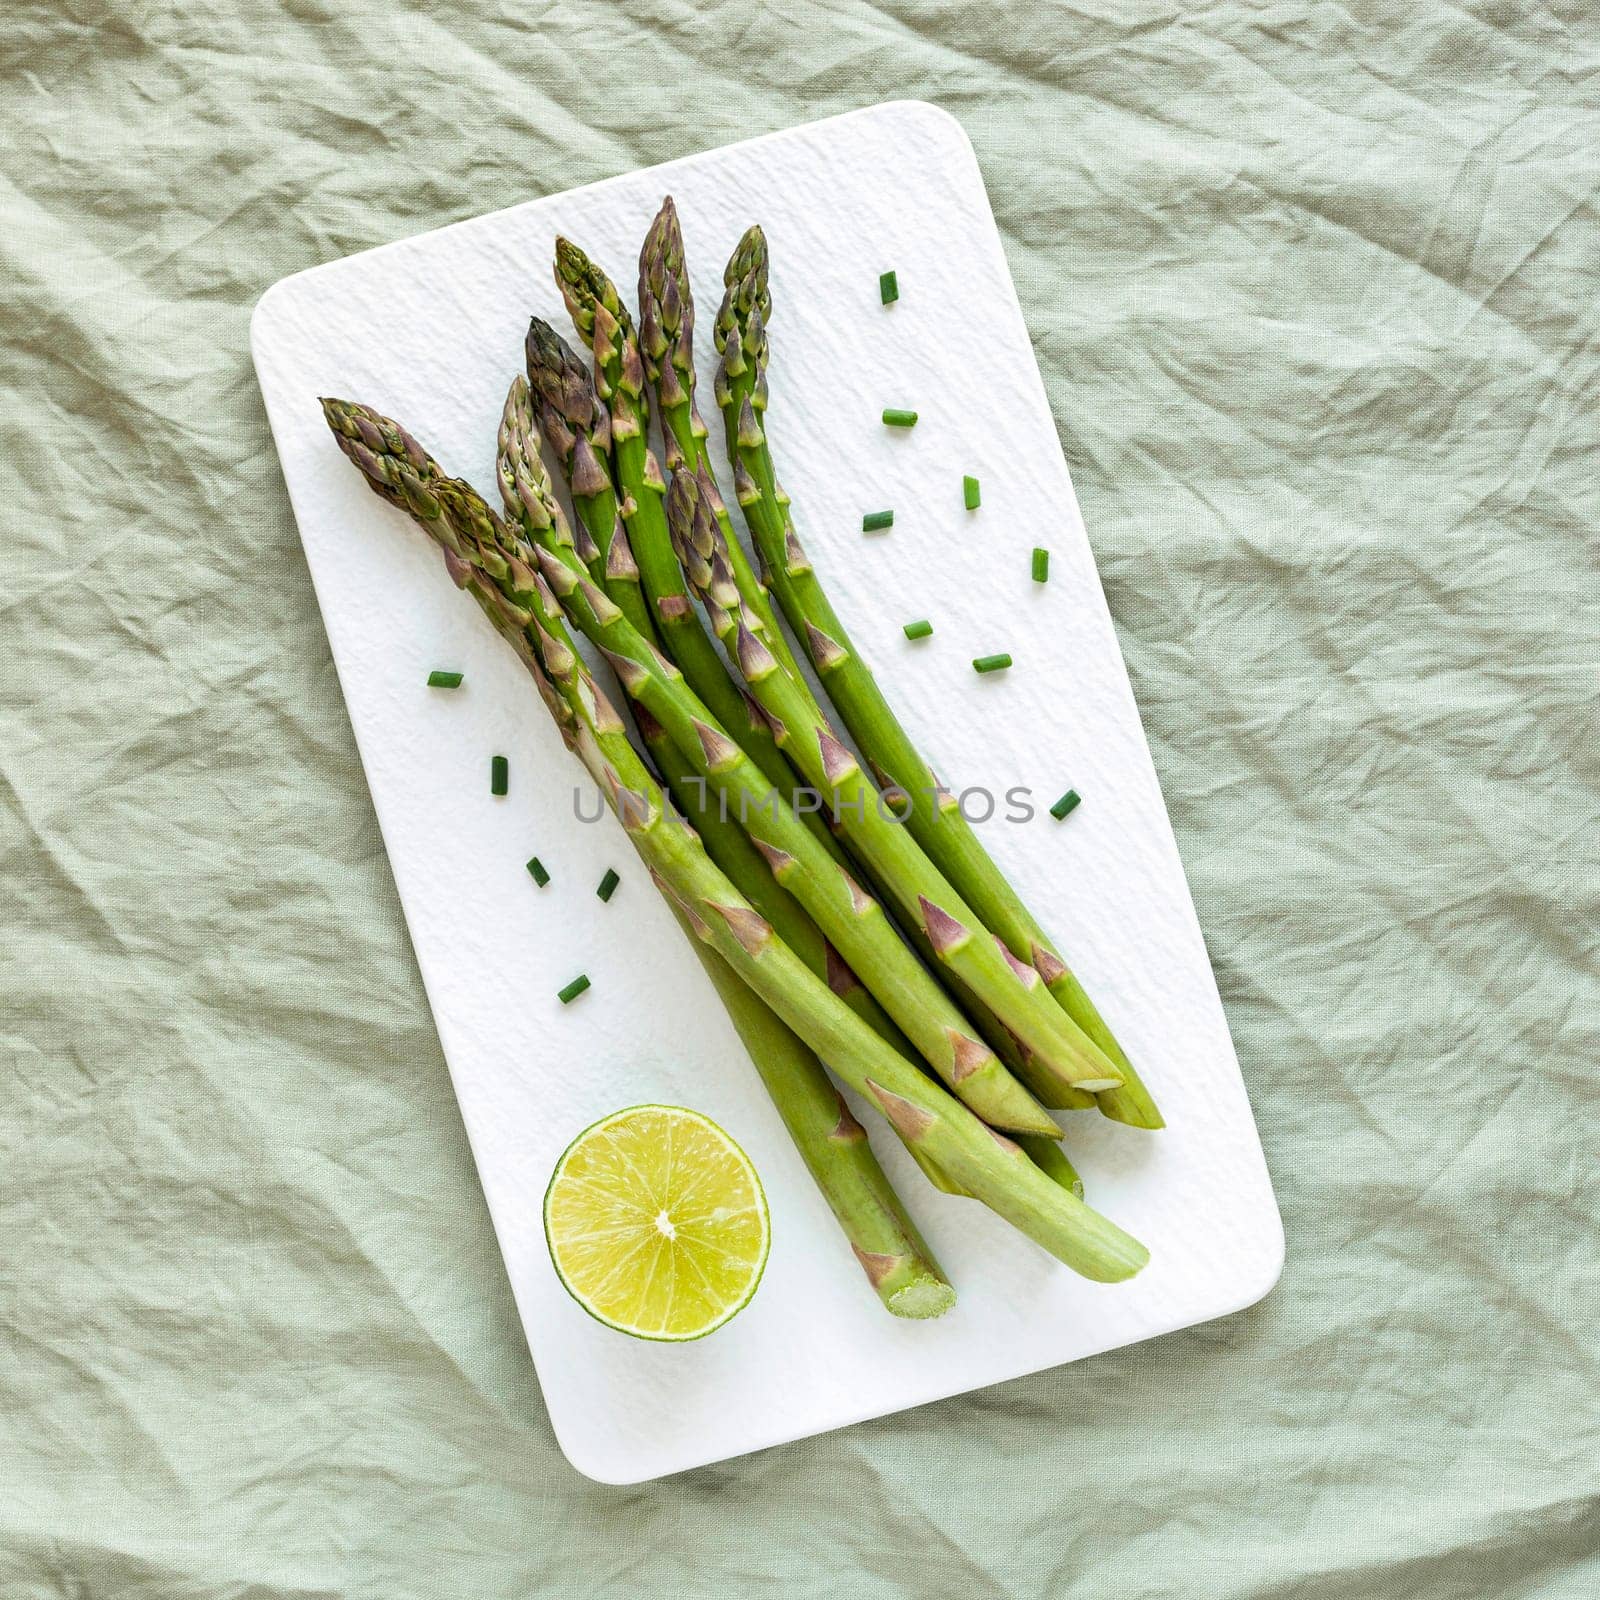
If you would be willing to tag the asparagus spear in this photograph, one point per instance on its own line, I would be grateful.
(666, 342)
(833, 1144)
(576, 422)
(486, 557)
(850, 918)
(730, 848)
(568, 406)
(483, 559)
(934, 818)
(1010, 988)
(524, 478)
(525, 484)
(993, 1168)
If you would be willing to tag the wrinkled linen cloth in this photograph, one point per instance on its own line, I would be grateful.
(1316, 293)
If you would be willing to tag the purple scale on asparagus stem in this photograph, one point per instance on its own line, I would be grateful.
(1049, 965)
(970, 1055)
(780, 861)
(749, 927)
(826, 653)
(720, 751)
(650, 730)
(755, 660)
(666, 667)
(1026, 976)
(909, 1121)
(945, 934)
(847, 1130)
(558, 659)
(837, 762)
(587, 475)
(860, 901)
(631, 674)
(620, 565)
(598, 601)
(583, 543)
(877, 1266)
(840, 976)
(561, 578)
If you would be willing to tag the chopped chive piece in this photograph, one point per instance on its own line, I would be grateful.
(1066, 803)
(997, 663)
(608, 884)
(899, 419)
(919, 629)
(567, 995)
(445, 680)
(875, 520)
(969, 493)
(888, 287)
(539, 875)
(1041, 565)
(499, 775)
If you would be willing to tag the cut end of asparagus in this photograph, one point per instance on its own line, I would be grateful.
(921, 1301)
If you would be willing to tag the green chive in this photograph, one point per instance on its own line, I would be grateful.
(499, 775)
(888, 287)
(1041, 565)
(874, 520)
(536, 868)
(573, 990)
(1066, 803)
(919, 629)
(969, 493)
(997, 663)
(608, 885)
(899, 419)
(445, 680)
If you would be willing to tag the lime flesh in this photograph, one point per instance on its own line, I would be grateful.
(657, 1223)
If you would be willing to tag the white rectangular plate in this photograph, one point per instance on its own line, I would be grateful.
(430, 330)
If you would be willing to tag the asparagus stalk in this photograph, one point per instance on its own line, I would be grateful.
(482, 558)
(486, 557)
(603, 322)
(934, 819)
(524, 478)
(666, 342)
(578, 425)
(730, 848)
(993, 1168)
(568, 403)
(833, 1144)
(1010, 988)
(851, 919)
(1048, 1156)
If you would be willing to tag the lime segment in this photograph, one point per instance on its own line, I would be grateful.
(657, 1223)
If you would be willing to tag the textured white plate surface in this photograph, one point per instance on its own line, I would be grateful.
(430, 330)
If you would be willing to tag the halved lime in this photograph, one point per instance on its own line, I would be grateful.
(657, 1223)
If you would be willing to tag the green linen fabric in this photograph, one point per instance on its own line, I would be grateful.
(1316, 292)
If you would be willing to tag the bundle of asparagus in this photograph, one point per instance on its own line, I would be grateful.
(810, 933)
